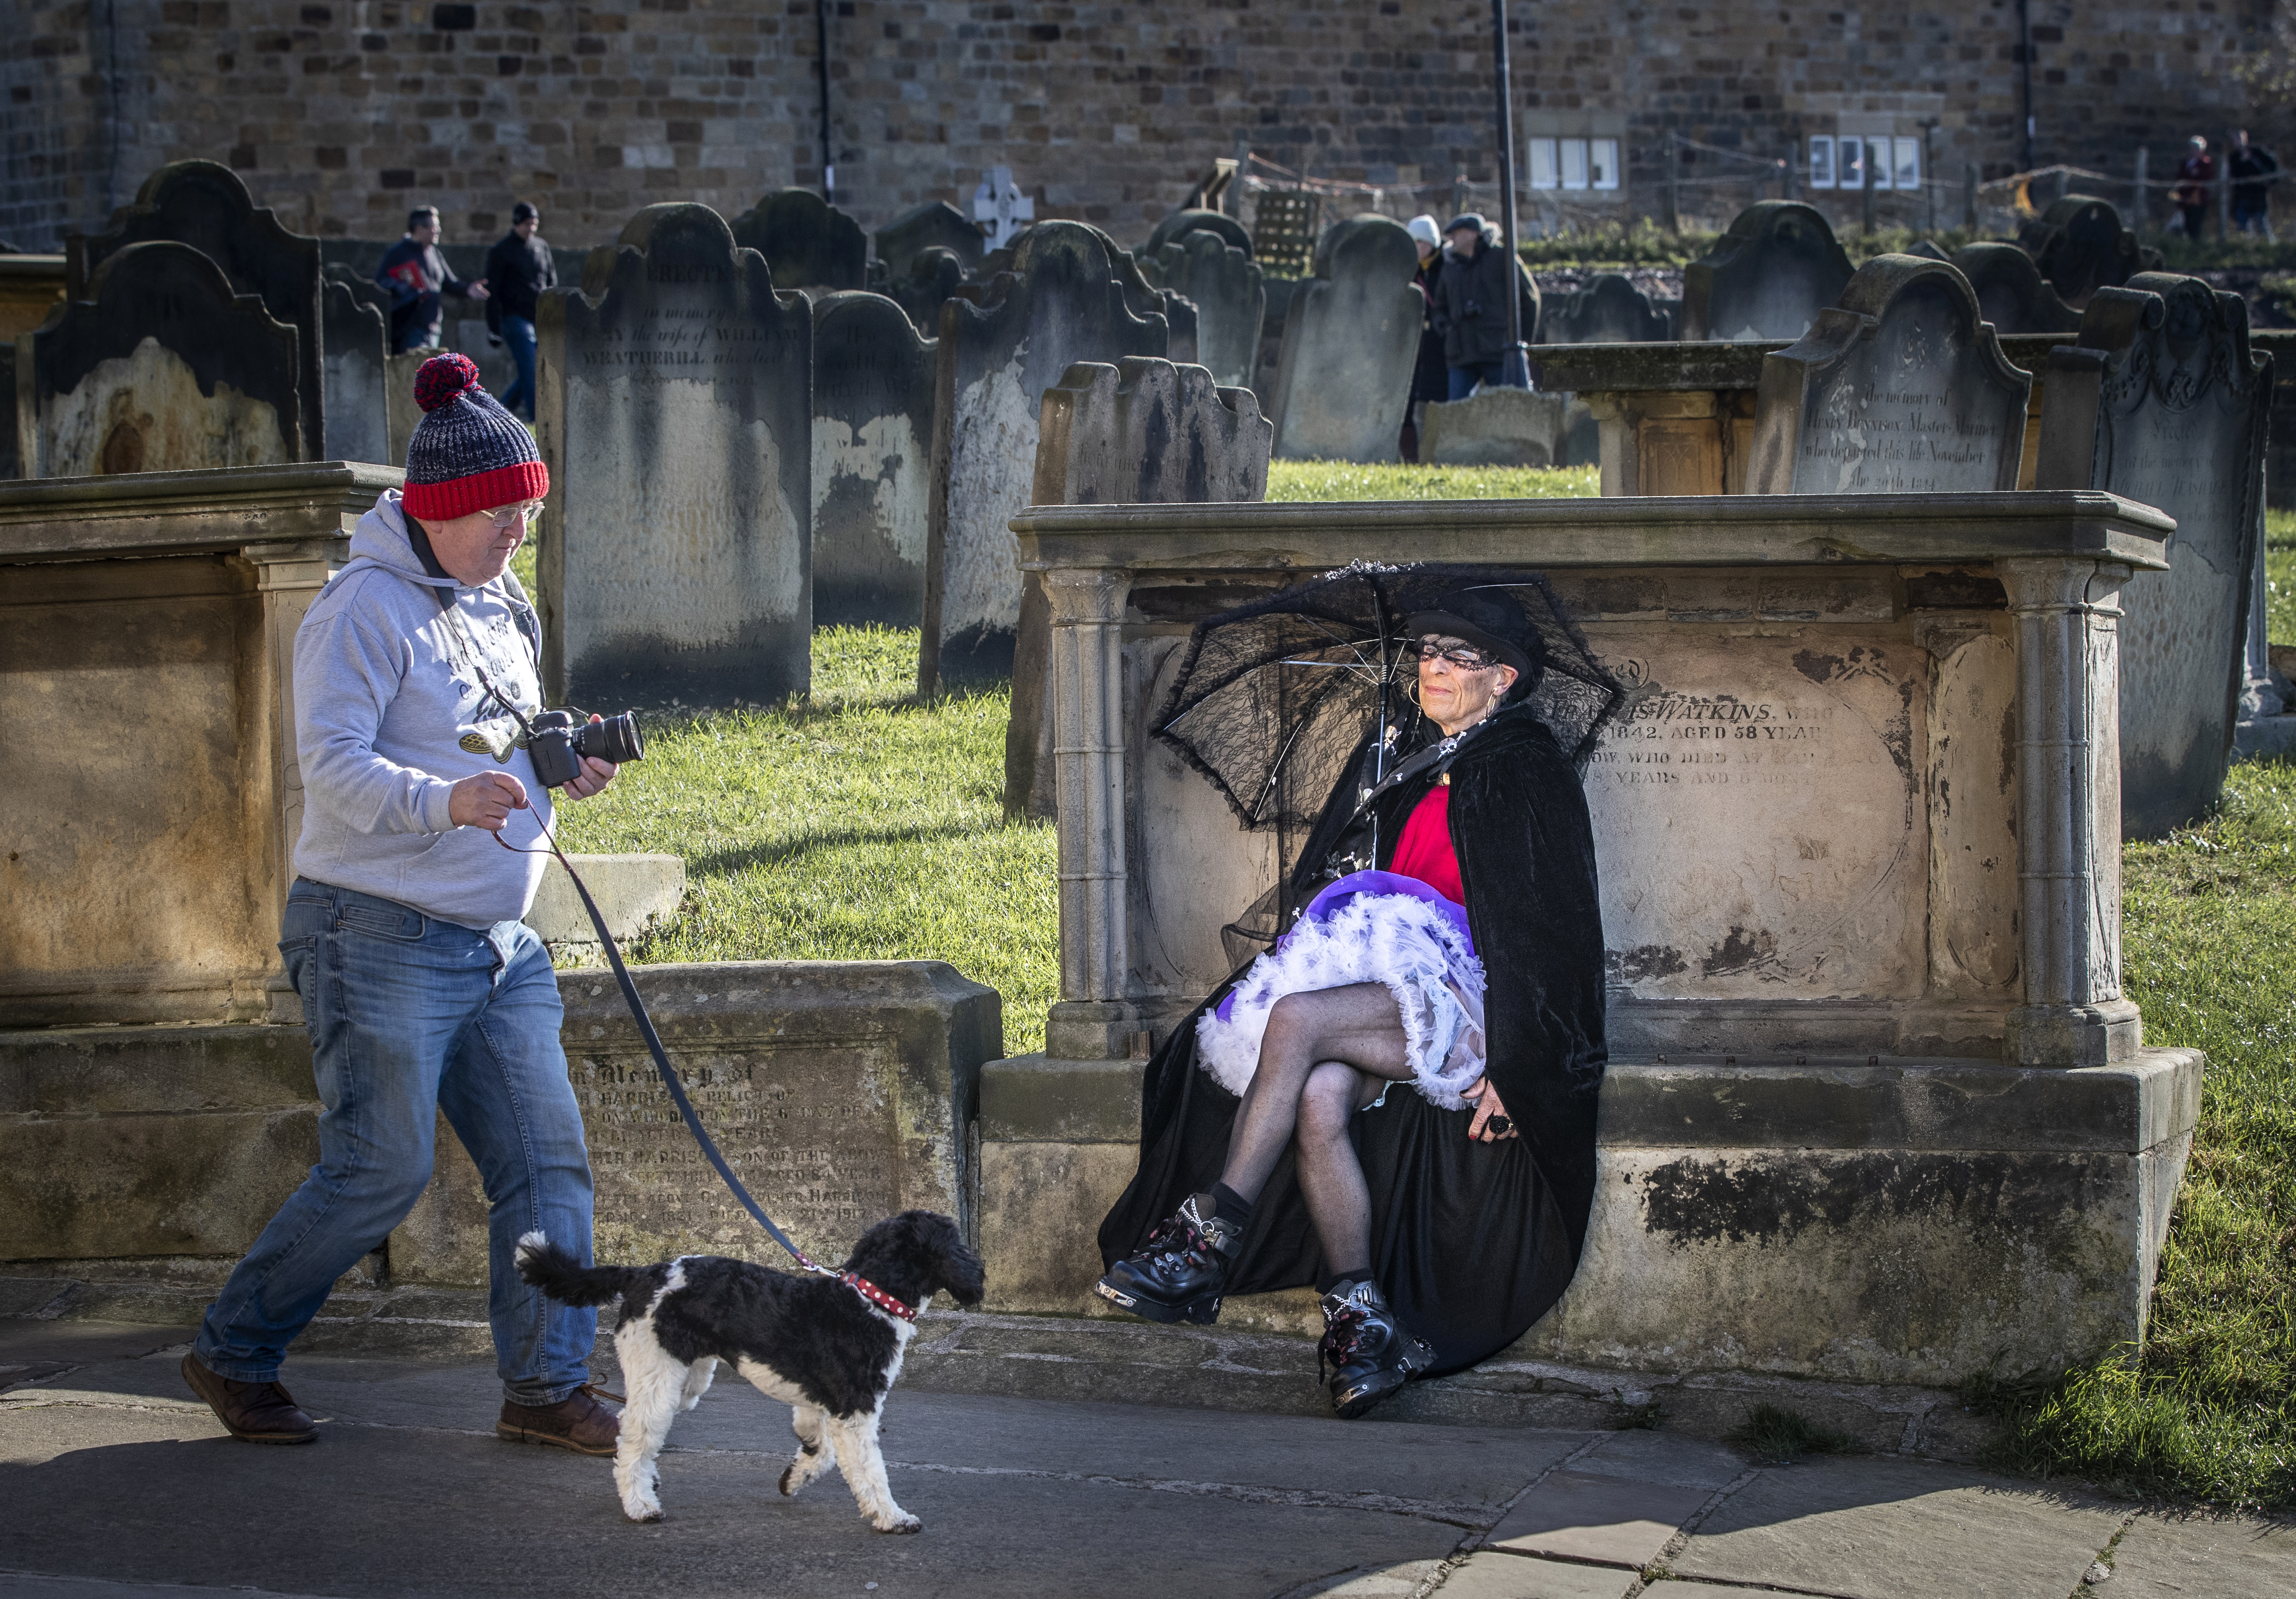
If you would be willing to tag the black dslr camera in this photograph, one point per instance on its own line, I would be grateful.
(561, 738)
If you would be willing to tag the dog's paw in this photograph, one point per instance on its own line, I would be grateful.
(641, 1510)
(789, 1484)
(904, 1522)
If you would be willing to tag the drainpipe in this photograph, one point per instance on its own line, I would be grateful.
(1516, 372)
(828, 167)
(2025, 70)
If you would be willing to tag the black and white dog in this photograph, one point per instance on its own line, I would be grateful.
(819, 1344)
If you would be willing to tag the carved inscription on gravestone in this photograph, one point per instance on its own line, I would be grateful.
(1901, 388)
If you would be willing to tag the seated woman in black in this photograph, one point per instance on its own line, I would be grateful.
(1468, 964)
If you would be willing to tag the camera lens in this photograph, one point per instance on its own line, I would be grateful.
(615, 740)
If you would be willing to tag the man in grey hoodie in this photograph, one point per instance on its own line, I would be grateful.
(422, 848)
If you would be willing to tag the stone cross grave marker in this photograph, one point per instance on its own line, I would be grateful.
(1767, 277)
(807, 242)
(1144, 431)
(1901, 388)
(161, 368)
(1060, 303)
(873, 433)
(1351, 341)
(1230, 295)
(1000, 202)
(2162, 401)
(205, 205)
(354, 371)
(2012, 294)
(1607, 310)
(677, 416)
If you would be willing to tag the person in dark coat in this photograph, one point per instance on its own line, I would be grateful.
(1470, 309)
(418, 279)
(1430, 380)
(2253, 168)
(1420, 1144)
(519, 268)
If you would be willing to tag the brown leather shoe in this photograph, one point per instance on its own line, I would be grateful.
(261, 1413)
(577, 1421)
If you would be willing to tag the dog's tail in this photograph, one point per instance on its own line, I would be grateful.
(553, 1268)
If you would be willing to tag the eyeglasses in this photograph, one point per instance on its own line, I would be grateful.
(1462, 656)
(504, 516)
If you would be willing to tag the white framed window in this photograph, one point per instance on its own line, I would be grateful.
(1850, 159)
(1906, 163)
(1545, 172)
(1574, 163)
(1602, 163)
(1821, 162)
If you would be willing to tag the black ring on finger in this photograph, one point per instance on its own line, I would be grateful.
(1499, 1126)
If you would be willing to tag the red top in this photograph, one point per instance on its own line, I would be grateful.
(1425, 852)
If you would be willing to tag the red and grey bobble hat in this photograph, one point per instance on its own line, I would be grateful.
(468, 452)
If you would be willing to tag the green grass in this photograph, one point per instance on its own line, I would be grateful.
(1349, 480)
(2280, 577)
(1779, 1437)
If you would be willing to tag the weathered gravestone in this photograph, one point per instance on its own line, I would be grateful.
(355, 373)
(1180, 224)
(1901, 388)
(873, 411)
(936, 225)
(1498, 426)
(1144, 431)
(1230, 296)
(1769, 276)
(2080, 247)
(161, 368)
(2162, 401)
(807, 242)
(677, 416)
(934, 273)
(2012, 294)
(1350, 340)
(204, 204)
(1609, 309)
(1062, 302)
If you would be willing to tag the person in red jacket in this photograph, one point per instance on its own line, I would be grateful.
(2195, 175)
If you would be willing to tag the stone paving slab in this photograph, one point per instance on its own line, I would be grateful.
(1614, 1520)
(1490, 1574)
(2204, 1557)
(1865, 1528)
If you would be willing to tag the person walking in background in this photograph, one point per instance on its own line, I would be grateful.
(1430, 380)
(2253, 168)
(519, 268)
(418, 279)
(2195, 174)
(1470, 309)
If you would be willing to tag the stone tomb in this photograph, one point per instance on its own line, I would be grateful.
(1877, 1110)
(2162, 402)
(161, 368)
(205, 205)
(1061, 301)
(807, 242)
(2012, 294)
(677, 417)
(872, 414)
(356, 375)
(1769, 276)
(1901, 388)
(1351, 341)
(1230, 296)
(1608, 309)
(145, 668)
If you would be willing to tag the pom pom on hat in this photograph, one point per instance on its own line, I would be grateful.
(442, 377)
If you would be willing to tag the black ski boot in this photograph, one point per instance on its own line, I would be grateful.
(1180, 1273)
(1369, 1354)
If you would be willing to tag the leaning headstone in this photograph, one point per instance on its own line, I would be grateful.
(161, 368)
(677, 417)
(1144, 431)
(2011, 292)
(934, 225)
(1351, 341)
(872, 410)
(1062, 302)
(1901, 388)
(1497, 427)
(2080, 247)
(1179, 224)
(204, 204)
(2162, 401)
(1230, 296)
(1608, 309)
(1000, 207)
(1768, 277)
(807, 242)
(355, 372)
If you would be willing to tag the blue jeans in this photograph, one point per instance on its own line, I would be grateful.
(1464, 379)
(410, 1016)
(518, 332)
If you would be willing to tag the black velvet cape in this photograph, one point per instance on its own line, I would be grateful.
(1471, 1243)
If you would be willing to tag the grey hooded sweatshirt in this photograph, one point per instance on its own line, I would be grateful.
(389, 714)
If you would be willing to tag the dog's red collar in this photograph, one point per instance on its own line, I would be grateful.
(877, 1296)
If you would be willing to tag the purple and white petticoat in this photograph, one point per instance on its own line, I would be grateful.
(1369, 927)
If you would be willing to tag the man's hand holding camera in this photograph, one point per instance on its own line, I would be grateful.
(486, 799)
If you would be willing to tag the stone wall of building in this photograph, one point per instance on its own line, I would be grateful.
(343, 113)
